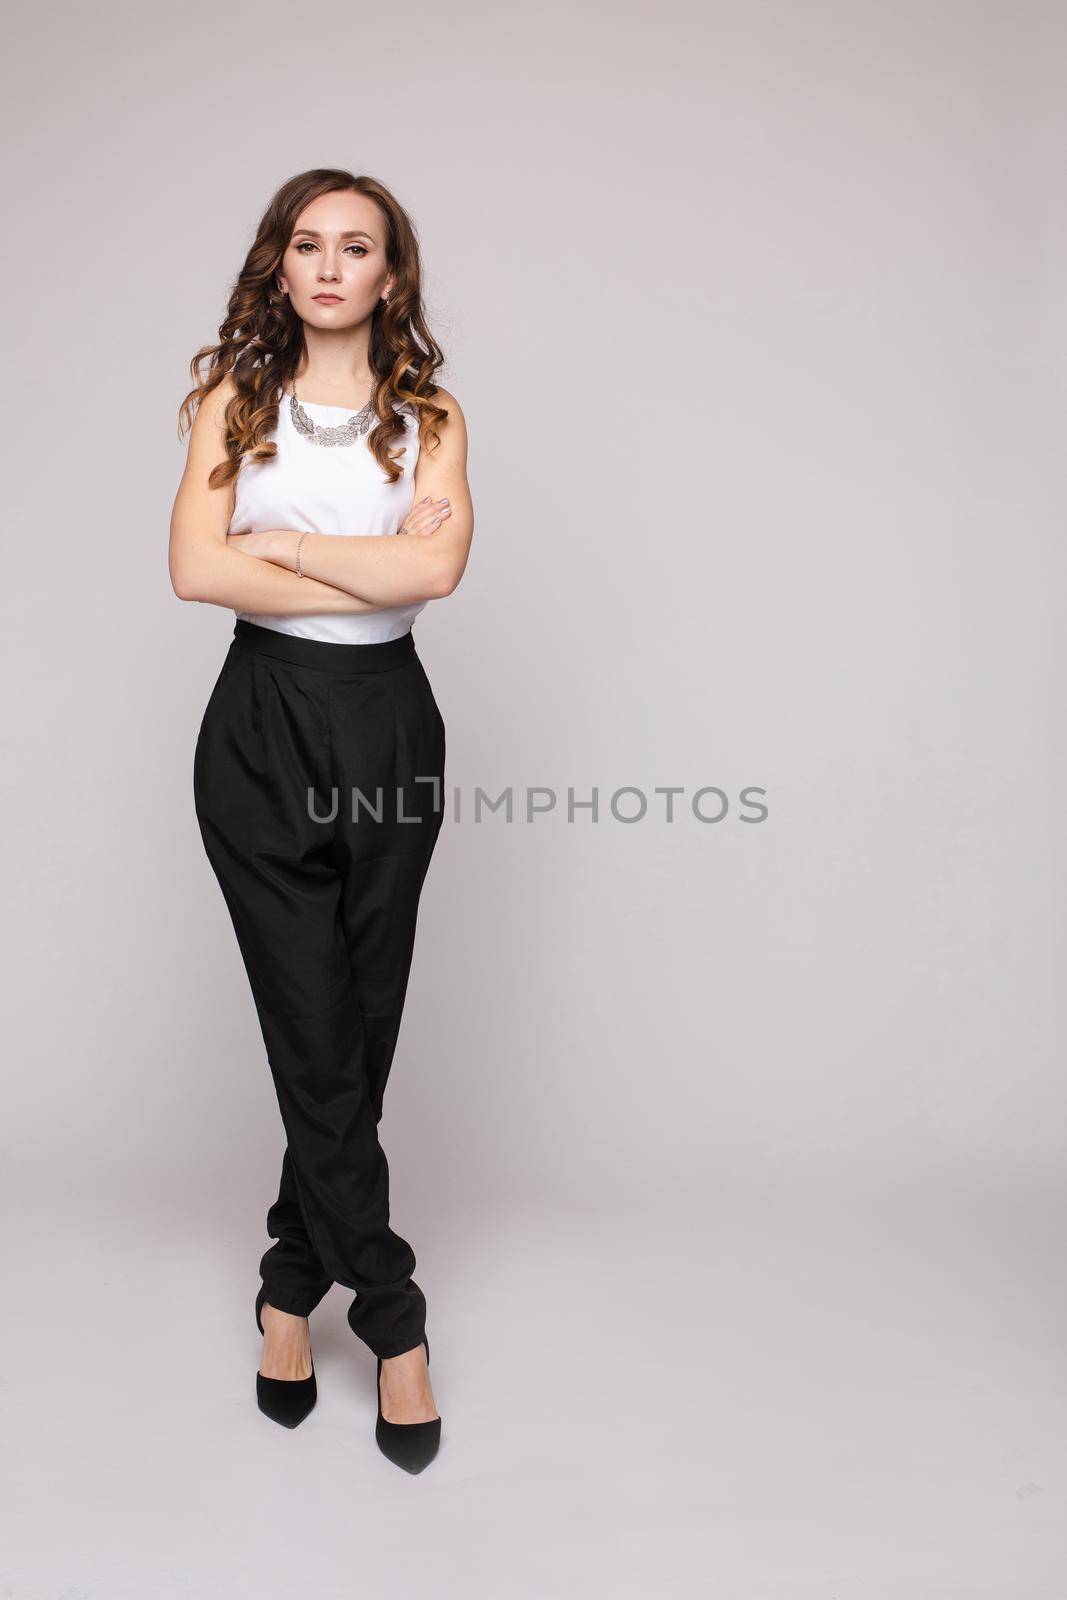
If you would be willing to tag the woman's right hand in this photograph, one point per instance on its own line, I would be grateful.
(426, 517)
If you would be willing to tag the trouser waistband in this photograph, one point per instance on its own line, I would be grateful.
(323, 653)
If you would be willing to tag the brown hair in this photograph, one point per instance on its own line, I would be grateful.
(262, 338)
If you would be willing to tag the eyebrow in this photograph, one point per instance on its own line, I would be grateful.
(352, 233)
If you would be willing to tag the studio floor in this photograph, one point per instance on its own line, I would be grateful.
(811, 1394)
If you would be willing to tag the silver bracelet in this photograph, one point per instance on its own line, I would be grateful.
(299, 542)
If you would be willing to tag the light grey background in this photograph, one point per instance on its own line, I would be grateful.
(732, 1155)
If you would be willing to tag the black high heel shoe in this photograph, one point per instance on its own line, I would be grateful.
(411, 1445)
(284, 1400)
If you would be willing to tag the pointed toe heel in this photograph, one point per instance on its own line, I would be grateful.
(411, 1445)
(284, 1400)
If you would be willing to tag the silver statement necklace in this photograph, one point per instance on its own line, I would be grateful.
(346, 433)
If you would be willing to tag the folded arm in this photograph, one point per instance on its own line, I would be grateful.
(384, 568)
(202, 565)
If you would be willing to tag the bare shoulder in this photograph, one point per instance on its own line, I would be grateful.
(211, 412)
(200, 511)
(207, 435)
(453, 432)
(441, 467)
(446, 398)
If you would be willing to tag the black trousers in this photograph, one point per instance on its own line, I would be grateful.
(318, 781)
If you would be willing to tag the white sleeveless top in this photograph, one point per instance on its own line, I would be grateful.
(329, 489)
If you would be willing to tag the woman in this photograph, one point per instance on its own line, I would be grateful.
(319, 436)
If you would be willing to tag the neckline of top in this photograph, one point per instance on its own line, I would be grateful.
(324, 405)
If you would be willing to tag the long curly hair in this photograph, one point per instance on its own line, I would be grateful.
(261, 339)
